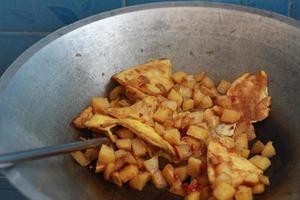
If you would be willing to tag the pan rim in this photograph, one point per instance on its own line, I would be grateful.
(15, 178)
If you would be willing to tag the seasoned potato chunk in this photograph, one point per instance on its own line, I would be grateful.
(258, 147)
(91, 154)
(175, 96)
(80, 158)
(243, 193)
(223, 178)
(124, 144)
(230, 116)
(258, 189)
(208, 82)
(151, 165)
(140, 180)
(117, 179)
(261, 162)
(158, 180)
(188, 104)
(124, 133)
(169, 174)
(223, 86)
(128, 173)
(162, 114)
(197, 132)
(181, 172)
(172, 136)
(194, 167)
(99, 104)
(251, 179)
(183, 151)
(206, 102)
(106, 155)
(177, 189)
(264, 179)
(269, 150)
(138, 147)
(198, 97)
(179, 76)
(224, 191)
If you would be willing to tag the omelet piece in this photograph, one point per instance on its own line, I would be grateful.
(147, 133)
(249, 95)
(142, 110)
(220, 160)
(103, 122)
(79, 121)
(152, 78)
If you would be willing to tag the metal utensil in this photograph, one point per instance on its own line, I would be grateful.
(9, 159)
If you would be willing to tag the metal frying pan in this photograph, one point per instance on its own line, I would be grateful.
(54, 80)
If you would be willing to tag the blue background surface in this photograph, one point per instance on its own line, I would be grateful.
(24, 22)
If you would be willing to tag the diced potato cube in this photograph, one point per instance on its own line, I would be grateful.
(181, 172)
(130, 159)
(109, 169)
(151, 165)
(117, 179)
(140, 180)
(223, 178)
(193, 196)
(197, 97)
(223, 101)
(177, 189)
(183, 151)
(128, 173)
(100, 168)
(158, 180)
(210, 118)
(162, 114)
(115, 93)
(172, 136)
(258, 189)
(185, 92)
(124, 133)
(188, 104)
(138, 147)
(175, 96)
(172, 105)
(230, 116)
(194, 167)
(269, 150)
(258, 147)
(199, 77)
(208, 82)
(169, 175)
(251, 179)
(192, 142)
(120, 153)
(261, 162)
(206, 102)
(179, 76)
(241, 141)
(160, 129)
(106, 155)
(224, 191)
(169, 123)
(92, 154)
(243, 193)
(99, 104)
(80, 158)
(124, 144)
(264, 179)
(244, 153)
(197, 132)
(223, 86)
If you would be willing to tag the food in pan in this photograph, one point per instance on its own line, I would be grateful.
(180, 131)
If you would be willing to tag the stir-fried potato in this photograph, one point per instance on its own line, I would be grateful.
(201, 131)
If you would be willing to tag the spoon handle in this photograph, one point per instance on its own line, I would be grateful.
(9, 159)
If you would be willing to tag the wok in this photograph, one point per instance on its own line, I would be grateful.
(52, 81)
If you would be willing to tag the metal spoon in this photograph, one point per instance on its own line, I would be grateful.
(9, 159)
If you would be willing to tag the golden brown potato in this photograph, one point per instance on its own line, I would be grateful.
(116, 179)
(80, 158)
(200, 76)
(172, 136)
(162, 114)
(177, 189)
(151, 165)
(230, 116)
(185, 92)
(194, 167)
(183, 151)
(175, 96)
(138, 147)
(188, 104)
(158, 180)
(258, 147)
(193, 196)
(99, 104)
(223, 178)
(251, 179)
(124, 133)
(244, 153)
(243, 193)
(223, 101)
(106, 155)
(197, 132)
(179, 76)
(124, 144)
(171, 105)
(264, 179)
(91, 154)
(99, 168)
(224, 191)
(261, 162)
(269, 150)
(208, 82)
(258, 189)
(206, 102)
(109, 169)
(140, 180)
(223, 86)
(115, 93)
(128, 173)
(169, 174)
(181, 172)
(198, 97)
